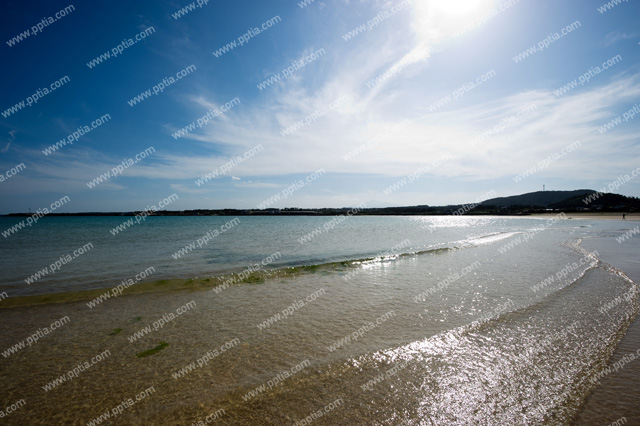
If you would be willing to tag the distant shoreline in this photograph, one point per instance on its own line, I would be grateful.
(593, 215)
(609, 215)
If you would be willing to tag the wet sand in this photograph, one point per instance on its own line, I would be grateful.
(618, 395)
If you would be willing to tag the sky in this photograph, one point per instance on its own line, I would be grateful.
(116, 106)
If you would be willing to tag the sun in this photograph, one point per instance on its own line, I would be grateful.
(438, 20)
(459, 8)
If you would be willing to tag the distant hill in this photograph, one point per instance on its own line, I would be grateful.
(598, 200)
(533, 202)
(539, 198)
(566, 200)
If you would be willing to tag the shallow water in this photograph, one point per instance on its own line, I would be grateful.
(617, 398)
(156, 243)
(376, 342)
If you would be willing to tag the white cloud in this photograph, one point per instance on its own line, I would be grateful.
(252, 184)
(617, 36)
(555, 123)
(12, 138)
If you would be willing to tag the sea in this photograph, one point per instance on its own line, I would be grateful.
(372, 320)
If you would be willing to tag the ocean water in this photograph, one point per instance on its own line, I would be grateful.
(156, 243)
(450, 320)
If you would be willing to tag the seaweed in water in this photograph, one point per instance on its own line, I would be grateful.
(152, 351)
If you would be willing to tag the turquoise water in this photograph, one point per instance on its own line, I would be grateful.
(510, 324)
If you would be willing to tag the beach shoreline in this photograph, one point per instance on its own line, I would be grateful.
(590, 216)
(203, 283)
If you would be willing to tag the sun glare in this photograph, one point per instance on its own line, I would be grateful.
(437, 20)
(460, 8)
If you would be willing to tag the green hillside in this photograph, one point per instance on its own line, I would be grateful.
(577, 199)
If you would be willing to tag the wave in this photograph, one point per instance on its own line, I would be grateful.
(468, 243)
(530, 365)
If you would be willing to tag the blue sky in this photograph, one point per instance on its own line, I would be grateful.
(456, 97)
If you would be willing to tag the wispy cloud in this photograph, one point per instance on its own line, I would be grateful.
(12, 137)
(554, 124)
(617, 36)
(254, 184)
